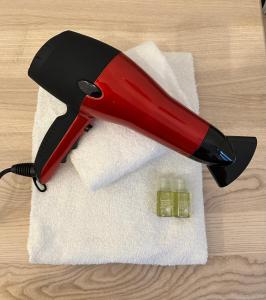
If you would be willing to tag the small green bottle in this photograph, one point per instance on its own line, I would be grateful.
(182, 199)
(165, 198)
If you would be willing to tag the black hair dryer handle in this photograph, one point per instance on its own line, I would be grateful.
(61, 137)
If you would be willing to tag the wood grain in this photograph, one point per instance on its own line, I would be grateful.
(232, 277)
(226, 39)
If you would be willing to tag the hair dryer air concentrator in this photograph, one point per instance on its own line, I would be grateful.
(96, 80)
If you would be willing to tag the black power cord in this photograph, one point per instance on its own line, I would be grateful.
(25, 169)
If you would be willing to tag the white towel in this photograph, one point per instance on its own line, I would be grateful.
(127, 149)
(71, 224)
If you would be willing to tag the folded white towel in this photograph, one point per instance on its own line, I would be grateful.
(127, 149)
(70, 224)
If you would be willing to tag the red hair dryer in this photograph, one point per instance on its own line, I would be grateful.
(96, 80)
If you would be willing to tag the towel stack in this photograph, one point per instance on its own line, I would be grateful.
(100, 206)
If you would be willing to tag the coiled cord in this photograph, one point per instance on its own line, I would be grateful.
(25, 169)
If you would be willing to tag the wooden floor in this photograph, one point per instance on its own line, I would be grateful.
(226, 39)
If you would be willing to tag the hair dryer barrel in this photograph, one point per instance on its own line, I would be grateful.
(131, 98)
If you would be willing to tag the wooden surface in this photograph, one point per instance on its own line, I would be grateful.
(226, 39)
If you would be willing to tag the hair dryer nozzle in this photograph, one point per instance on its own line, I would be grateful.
(244, 148)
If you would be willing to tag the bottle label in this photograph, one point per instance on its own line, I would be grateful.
(182, 204)
(165, 204)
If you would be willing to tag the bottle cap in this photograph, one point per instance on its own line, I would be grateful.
(180, 184)
(165, 184)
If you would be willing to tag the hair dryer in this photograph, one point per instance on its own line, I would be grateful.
(96, 80)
